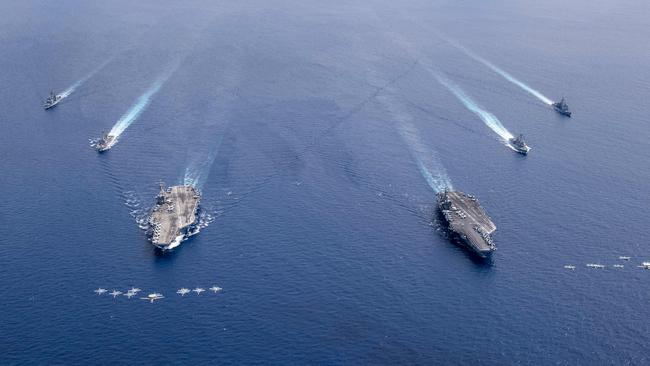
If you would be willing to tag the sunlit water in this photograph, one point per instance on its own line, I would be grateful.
(318, 142)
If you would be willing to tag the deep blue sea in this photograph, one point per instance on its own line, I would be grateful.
(318, 133)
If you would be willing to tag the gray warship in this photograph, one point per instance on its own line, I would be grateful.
(52, 100)
(174, 218)
(562, 108)
(466, 218)
(519, 145)
(105, 142)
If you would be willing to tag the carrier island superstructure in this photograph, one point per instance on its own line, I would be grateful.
(174, 216)
(467, 219)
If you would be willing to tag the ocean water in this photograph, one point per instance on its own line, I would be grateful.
(318, 133)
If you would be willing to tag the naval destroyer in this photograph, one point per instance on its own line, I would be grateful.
(519, 145)
(174, 217)
(52, 100)
(105, 142)
(466, 218)
(562, 108)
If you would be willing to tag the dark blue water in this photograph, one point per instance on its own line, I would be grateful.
(321, 226)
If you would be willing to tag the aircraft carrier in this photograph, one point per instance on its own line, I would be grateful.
(174, 217)
(467, 219)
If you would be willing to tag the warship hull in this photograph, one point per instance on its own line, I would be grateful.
(174, 217)
(521, 150)
(518, 145)
(560, 111)
(106, 143)
(562, 108)
(53, 104)
(468, 221)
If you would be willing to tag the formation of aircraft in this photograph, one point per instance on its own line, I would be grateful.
(644, 265)
(133, 291)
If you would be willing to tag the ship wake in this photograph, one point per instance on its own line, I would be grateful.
(93, 142)
(427, 160)
(198, 169)
(499, 71)
(136, 110)
(141, 105)
(488, 118)
(66, 93)
(136, 209)
(205, 219)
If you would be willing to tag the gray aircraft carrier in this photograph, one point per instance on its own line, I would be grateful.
(468, 220)
(174, 217)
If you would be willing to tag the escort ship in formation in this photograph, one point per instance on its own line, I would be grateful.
(466, 219)
(105, 142)
(562, 108)
(174, 218)
(52, 100)
(519, 145)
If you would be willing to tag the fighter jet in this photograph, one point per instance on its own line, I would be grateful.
(100, 291)
(115, 293)
(570, 267)
(215, 289)
(129, 294)
(153, 297)
(134, 290)
(624, 258)
(198, 290)
(184, 291)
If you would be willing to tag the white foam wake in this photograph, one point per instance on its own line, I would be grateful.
(81, 81)
(136, 209)
(428, 162)
(70, 90)
(426, 159)
(488, 118)
(142, 103)
(136, 110)
(499, 71)
(198, 168)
